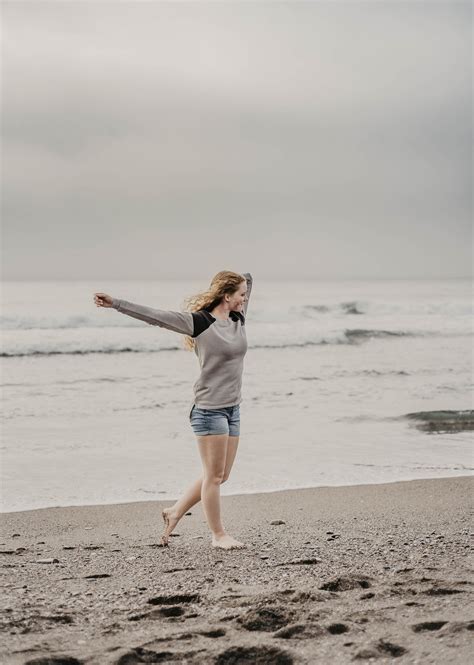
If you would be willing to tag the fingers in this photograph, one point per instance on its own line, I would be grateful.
(99, 299)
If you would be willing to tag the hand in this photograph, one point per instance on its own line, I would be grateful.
(103, 300)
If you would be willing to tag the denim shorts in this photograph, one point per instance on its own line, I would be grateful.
(216, 421)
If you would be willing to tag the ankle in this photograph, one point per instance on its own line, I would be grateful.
(173, 511)
(218, 534)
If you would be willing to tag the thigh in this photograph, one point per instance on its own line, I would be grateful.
(213, 451)
(231, 453)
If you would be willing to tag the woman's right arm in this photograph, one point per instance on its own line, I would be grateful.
(180, 322)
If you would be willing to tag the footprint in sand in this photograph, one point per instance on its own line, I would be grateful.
(347, 583)
(255, 655)
(337, 628)
(457, 626)
(442, 591)
(168, 611)
(380, 648)
(428, 626)
(265, 619)
(366, 596)
(300, 631)
(54, 660)
(290, 631)
(140, 655)
(175, 599)
(171, 611)
(215, 632)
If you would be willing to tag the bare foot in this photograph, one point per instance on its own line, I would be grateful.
(226, 542)
(171, 520)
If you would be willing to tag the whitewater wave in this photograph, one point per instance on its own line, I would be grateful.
(68, 347)
(442, 421)
(353, 307)
(361, 334)
(272, 312)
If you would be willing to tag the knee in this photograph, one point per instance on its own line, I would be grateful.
(215, 480)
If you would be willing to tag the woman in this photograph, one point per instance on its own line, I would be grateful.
(215, 328)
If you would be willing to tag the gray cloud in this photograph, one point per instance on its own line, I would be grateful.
(337, 135)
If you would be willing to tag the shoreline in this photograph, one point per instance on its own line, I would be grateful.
(237, 494)
(328, 574)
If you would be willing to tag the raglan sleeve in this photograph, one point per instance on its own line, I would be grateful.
(180, 322)
(249, 280)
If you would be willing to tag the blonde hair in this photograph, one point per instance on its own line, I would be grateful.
(225, 282)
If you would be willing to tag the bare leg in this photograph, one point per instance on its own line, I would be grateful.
(173, 514)
(213, 450)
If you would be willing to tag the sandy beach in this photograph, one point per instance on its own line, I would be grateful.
(328, 575)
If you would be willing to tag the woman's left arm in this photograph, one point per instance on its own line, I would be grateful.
(249, 280)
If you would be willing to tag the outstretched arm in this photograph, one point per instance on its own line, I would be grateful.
(249, 280)
(180, 322)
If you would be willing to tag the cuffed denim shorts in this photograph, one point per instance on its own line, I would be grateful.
(216, 421)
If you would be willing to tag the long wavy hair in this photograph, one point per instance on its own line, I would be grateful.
(225, 282)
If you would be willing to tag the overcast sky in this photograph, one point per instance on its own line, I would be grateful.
(151, 140)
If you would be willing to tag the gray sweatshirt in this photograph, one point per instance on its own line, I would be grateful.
(219, 345)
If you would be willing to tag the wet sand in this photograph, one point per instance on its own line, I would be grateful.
(329, 575)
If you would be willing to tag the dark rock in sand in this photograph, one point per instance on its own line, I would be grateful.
(275, 522)
(96, 576)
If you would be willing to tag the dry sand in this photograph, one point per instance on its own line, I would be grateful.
(329, 575)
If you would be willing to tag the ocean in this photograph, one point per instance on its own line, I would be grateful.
(95, 403)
